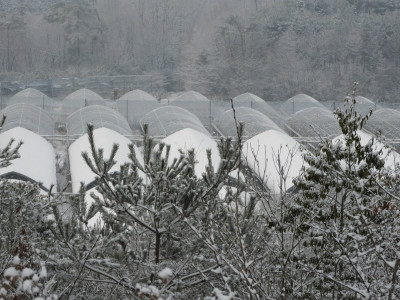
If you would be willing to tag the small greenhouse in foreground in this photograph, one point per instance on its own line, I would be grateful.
(37, 162)
(81, 173)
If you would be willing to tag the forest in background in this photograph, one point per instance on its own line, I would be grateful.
(272, 48)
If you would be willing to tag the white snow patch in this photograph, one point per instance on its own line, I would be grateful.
(187, 139)
(104, 138)
(165, 273)
(263, 152)
(38, 159)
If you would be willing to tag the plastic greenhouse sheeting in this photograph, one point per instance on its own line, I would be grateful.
(37, 162)
(387, 121)
(135, 104)
(81, 98)
(187, 139)
(314, 122)
(254, 122)
(364, 105)
(299, 102)
(166, 120)
(33, 97)
(255, 102)
(99, 116)
(104, 138)
(261, 154)
(137, 95)
(197, 104)
(28, 116)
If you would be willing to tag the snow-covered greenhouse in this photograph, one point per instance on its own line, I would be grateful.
(254, 122)
(99, 116)
(299, 102)
(135, 104)
(182, 131)
(31, 96)
(37, 163)
(195, 103)
(266, 147)
(313, 122)
(110, 128)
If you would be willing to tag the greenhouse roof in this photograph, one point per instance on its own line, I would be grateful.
(363, 100)
(299, 102)
(31, 96)
(254, 122)
(84, 94)
(137, 95)
(191, 96)
(313, 122)
(37, 162)
(387, 121)
(99, 116)
(29, 117)
(247, 97)
(166, 120)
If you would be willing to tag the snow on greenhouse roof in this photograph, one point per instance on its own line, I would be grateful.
(391, 157)
(166, 120)
(37, 161)
(81, 98)
(363, 100)
(99, 116)
(387, 121)
(104, 138)
(261, 153)
(191, 96)
(28, 116)
(299, 102)
(254, 122)
(313, 122)
(364, 105)
(137, 95)
(31, 96)
(187, 139)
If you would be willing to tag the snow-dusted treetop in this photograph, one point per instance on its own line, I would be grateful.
(28, 116)
(187, 139)
(99, 116)
(263, 152)
(31, 96)
(299, 102)
(313, 122)
(166, 120)
(254, 122)
(391, 157)
(191, 96)
(137, 95)
(387, 120)
(37, 162)
(104, 138)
